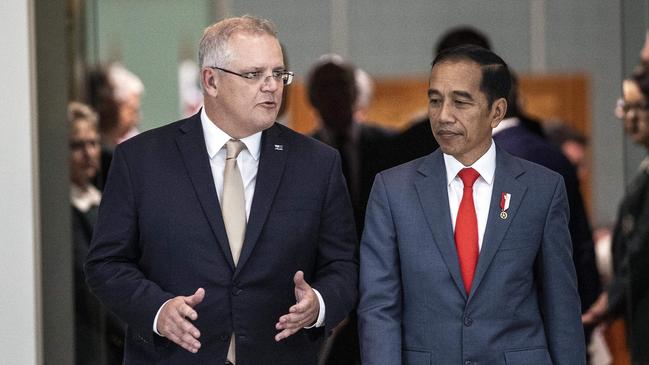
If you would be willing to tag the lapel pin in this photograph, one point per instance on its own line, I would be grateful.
(505, 198)
(279, 147)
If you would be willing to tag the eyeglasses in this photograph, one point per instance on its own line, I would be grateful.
(83, 144)
(286, 77)
(626, 108)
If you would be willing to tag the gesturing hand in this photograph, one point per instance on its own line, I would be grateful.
(596, 312)
(173, 321)
(303, 313)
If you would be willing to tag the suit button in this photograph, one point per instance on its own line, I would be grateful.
(224, 338)
(468, 362)
(468, 321)
(236, 291)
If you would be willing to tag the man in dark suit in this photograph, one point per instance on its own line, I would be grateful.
(466, 255)
(263, 277)
(512, 136)
(334, 92)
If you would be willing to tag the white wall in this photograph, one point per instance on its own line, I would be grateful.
(19, 261)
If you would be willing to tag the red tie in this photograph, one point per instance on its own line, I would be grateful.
(466, 229)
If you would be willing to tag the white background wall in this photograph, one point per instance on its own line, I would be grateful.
(19, 302)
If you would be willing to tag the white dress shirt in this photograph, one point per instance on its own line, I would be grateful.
(482, 188)
(248, 164)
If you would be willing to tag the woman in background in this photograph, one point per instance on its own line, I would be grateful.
(628, 294)
(98, 334)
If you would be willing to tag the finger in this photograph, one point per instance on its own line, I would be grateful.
(302, 306)
(298, 279)
(187, 327)
(185, 311)
(195, 298)
(284, 334)
(293, 321)
(187, 343)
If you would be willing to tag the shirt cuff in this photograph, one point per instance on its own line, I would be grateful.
(321, 315)
(155, 320)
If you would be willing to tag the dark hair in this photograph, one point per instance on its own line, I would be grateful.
(462, 35)
(100, 98)
(331, 75)
(558, 132)
(496, 79)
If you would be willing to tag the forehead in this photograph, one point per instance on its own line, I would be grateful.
(631, 91)
(255, 49)
(456, 75)
(82, 127)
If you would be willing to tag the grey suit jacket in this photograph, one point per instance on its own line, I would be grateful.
(523, 307)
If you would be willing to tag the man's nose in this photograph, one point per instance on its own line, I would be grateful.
(271, 84)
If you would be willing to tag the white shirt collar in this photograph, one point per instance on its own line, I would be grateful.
(215, 138)
(505, 124)
(485, 165)
(83, 199)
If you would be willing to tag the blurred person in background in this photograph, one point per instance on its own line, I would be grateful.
(512, 136)
(115, 93)
(628, 294)
(573, 144)
(99, 336)
(341, 94)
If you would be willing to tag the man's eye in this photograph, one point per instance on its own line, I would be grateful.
(251, 75)
(461, 103)
(435, 102)
(278, 74)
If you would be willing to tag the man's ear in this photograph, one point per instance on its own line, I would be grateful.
(209, 82)
(498, 111)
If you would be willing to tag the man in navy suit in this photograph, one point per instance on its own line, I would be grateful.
(165, 256)
(466, 254)
(512, 136)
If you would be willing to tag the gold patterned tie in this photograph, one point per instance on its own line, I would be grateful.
(233, 205)
(233, 209)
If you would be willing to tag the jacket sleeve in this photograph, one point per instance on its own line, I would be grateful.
(336, 275)
(380, 305)
(111, 267)
(557, 282)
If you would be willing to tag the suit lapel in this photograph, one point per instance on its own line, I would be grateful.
(433, 196)
(507, 170)
(191, 144)
(272, 160)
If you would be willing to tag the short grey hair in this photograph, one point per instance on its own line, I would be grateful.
(124, 82)
(214, 49)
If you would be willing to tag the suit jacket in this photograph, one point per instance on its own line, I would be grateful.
(629, 291)
(523, 307)
(98, 335)
(414, 142)
(520, 142)
(373, 149)
(160, 234)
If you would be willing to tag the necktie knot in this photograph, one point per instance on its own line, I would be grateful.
(233, 148)
(468, 176)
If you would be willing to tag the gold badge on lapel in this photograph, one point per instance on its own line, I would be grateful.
(505, 198)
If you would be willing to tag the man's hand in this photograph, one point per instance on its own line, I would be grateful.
(304, 313)
(596, 312)
(173, 321)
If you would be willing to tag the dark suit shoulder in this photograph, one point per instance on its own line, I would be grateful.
(372, 132)
(300, 140)
(522, 143)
